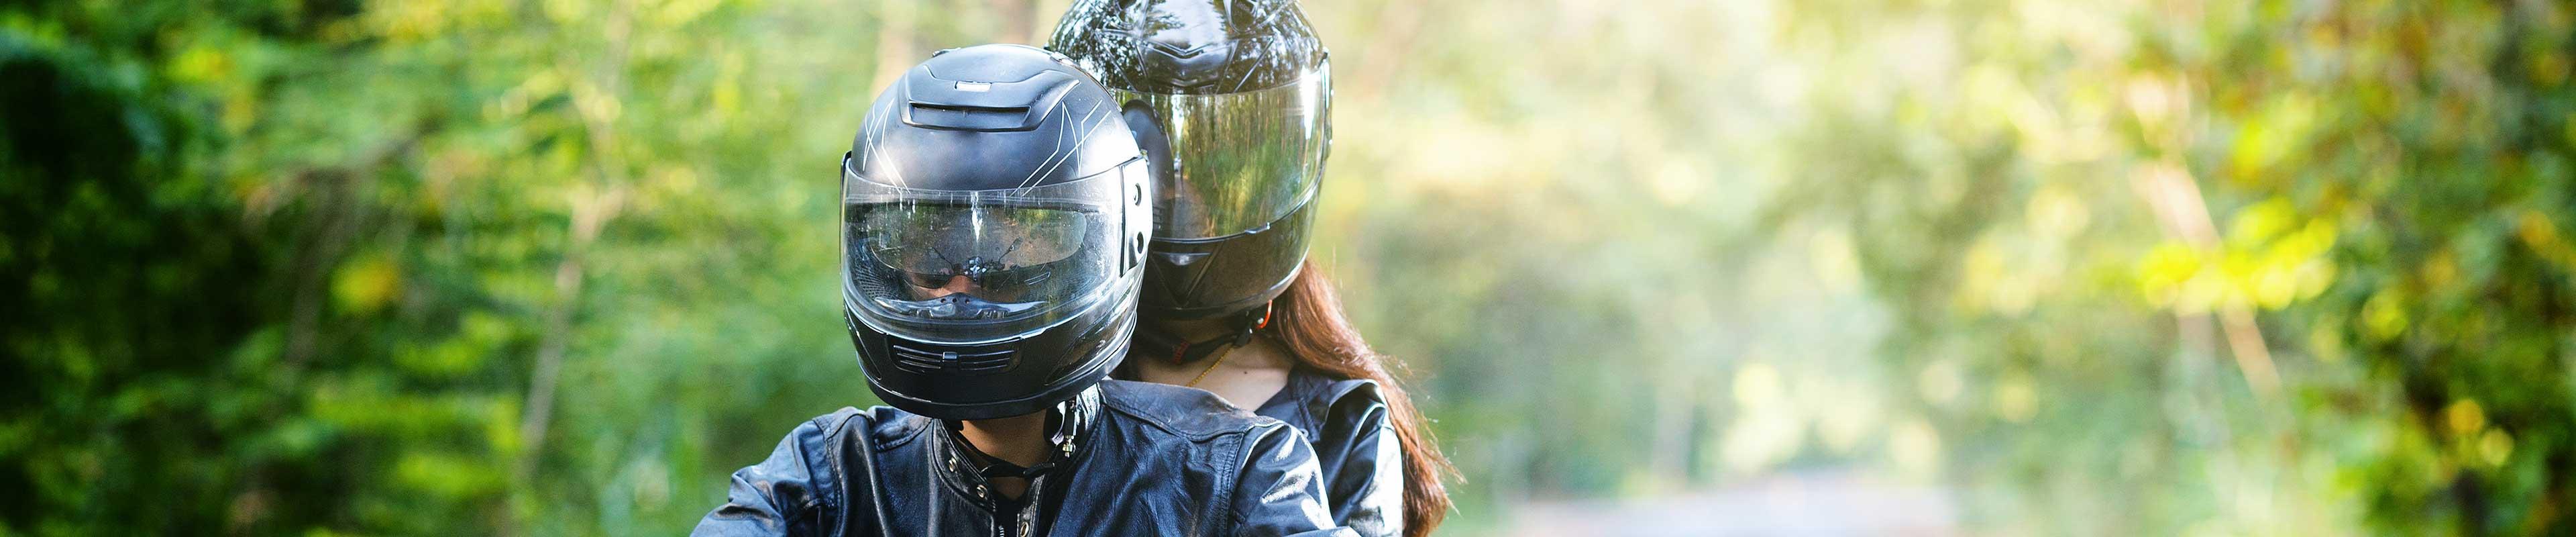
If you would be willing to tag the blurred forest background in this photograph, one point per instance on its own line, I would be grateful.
(2060, 267)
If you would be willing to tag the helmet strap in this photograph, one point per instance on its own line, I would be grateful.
(1240, 328)
(991, 467)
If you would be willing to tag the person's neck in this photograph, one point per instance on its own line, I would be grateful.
(1020, 440)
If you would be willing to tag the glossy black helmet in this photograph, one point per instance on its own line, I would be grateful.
(993, 231)
(1231, 99)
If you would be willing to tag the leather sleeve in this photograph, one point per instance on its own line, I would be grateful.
(1357, 447)
(794, 492)
(1279, 491)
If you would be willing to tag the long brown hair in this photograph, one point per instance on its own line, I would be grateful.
(1308, 320)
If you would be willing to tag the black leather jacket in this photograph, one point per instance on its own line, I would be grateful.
(1139, 459)
(1355, 445)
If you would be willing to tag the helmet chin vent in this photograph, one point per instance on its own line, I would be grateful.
(951, 362)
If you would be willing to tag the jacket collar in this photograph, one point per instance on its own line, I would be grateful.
(1072, 424)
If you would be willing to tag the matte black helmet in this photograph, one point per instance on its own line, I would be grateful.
(993, 230)
(1231, 99)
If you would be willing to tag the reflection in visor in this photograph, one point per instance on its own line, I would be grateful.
(980, 265)
(1239, 160)
(937, 242)
(956, 307)
(949, 262)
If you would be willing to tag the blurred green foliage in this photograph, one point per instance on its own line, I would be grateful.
(558, 267)
(2268, 267)
(290, 266)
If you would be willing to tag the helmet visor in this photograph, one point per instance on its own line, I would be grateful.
(974, 266)
(1239, 160)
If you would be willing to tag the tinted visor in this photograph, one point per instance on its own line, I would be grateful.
(971, 266)
(1239, 161)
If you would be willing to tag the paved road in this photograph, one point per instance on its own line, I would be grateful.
(1817, 503)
